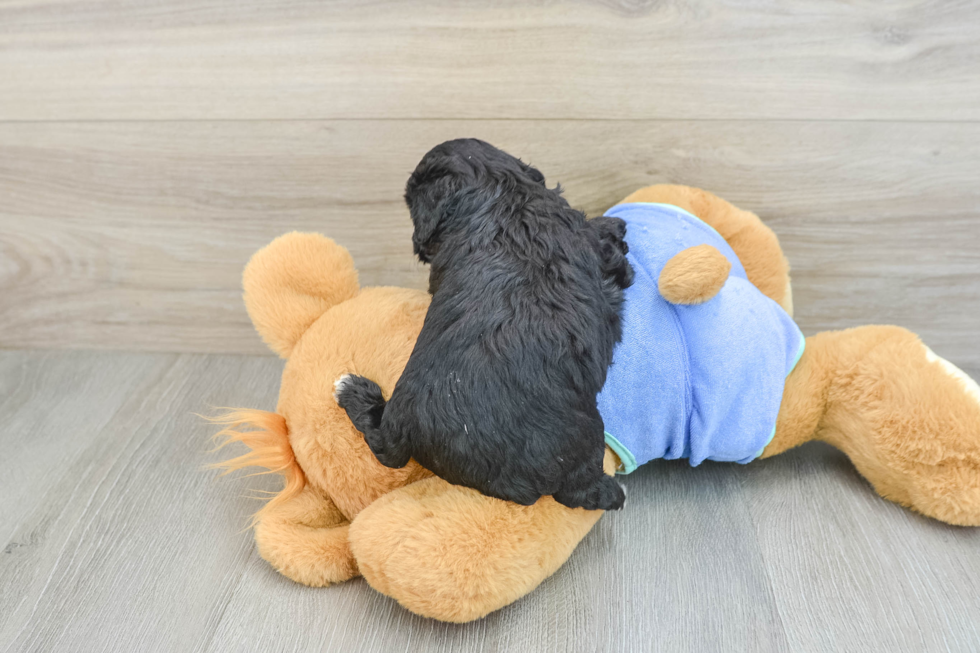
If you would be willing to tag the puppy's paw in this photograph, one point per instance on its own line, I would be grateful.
(605, 494)
(362, 399)
(339, 385)
(364, 403)
(612, 495)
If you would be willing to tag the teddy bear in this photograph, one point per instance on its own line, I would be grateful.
(907, 419)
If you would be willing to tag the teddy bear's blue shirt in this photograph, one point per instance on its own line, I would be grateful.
(702, 382)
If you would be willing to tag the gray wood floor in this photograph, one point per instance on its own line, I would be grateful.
(114, 538)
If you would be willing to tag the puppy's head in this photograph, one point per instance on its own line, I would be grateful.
(455, 179)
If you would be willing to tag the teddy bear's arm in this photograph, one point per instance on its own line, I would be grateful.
(694, 275)
(306, 539)
(754, 243)
(450, 553)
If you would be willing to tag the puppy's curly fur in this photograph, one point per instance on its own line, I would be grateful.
(500, 391)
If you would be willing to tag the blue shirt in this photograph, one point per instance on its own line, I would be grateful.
(702, 382)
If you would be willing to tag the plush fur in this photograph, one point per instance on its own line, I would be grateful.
(499, 393)
(754, 243)
(908, 420)
(694, 275)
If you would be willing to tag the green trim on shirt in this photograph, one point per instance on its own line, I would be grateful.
(799, 355)
(684, 211)
(626, 459)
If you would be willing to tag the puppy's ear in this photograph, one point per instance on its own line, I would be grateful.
(533, 173)
(612, 248)
(430, 194)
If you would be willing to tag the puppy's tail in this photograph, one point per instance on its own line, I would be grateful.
(365, 404)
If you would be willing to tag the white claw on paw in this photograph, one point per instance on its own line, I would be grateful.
(339, 385)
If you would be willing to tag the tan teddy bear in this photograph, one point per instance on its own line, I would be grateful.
(908, 420)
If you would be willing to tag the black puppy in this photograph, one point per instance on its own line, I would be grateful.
(500, 391)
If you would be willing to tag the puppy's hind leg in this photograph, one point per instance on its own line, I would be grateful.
(364, 403)
(603, 493)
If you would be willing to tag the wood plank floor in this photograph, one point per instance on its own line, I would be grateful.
(114, 538)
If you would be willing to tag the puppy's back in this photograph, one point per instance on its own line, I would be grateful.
(502, 383)
(499, 393)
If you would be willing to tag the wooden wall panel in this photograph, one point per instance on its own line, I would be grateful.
(133, 235)
(294, 59)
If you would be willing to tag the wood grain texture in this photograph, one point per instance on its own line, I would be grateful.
(111, 544)
(843, 562)
(147, 149)
(117, 540)
(133, 235)
(222, 59)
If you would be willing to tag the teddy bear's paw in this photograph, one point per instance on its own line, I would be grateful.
(453, 554)
(912, 426)
(312, 556)
(968, 385)
(944, 459)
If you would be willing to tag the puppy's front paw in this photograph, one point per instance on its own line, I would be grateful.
(362, 399)
(338, 387)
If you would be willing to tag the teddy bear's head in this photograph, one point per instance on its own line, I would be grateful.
(303, 296)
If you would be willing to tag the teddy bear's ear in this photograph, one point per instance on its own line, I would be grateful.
(291, 282)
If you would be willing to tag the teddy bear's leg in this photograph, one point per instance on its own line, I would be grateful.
(450, 553)
(754, 243)
(306, 539)
(908, 420)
